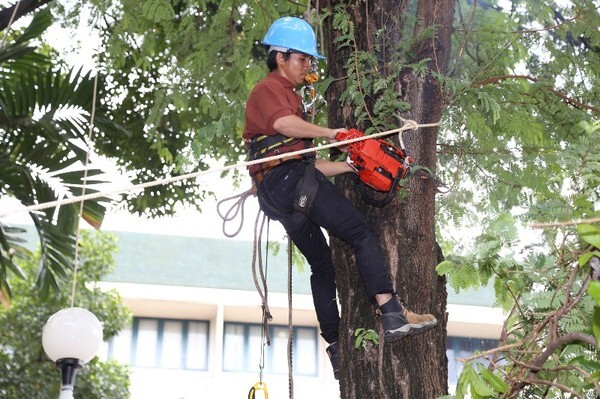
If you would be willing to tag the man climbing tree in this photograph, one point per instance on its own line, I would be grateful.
(295, 190)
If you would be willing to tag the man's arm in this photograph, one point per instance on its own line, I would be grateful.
(333, 168)
(293, 126)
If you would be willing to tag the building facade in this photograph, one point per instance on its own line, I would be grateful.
(197, 330)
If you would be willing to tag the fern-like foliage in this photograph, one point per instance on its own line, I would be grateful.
(552, 328)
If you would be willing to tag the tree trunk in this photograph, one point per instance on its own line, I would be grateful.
(415, 367)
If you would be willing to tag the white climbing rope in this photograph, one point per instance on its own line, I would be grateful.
(408, 125)
(85, 175)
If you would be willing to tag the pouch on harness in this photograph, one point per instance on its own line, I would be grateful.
(306, 189)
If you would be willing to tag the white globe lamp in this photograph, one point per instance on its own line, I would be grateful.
(71, 338)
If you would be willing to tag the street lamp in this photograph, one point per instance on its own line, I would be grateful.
(71, 338)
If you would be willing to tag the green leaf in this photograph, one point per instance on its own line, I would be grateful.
(463, 382)
(595, 376)
(365, 337)
(40, 22)
(358, 341)
(444, 267)
(587, 364)
(590, 234)
(479, 387)
(596, 325)
(495, 382)
(594, 291)
(585, 258)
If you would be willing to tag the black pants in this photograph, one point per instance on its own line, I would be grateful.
(335, 213)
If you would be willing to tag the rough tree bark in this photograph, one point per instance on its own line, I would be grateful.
(416, 367)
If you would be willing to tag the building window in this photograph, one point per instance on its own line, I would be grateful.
(242, 344)
(162, 343)
(461, 348)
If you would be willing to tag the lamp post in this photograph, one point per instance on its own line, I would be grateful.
(71, 338)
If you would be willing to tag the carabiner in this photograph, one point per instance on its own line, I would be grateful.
(258, 387)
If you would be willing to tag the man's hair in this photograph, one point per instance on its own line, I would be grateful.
(272, 59)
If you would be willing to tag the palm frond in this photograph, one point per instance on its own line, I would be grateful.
(38, 25)
(44, 117)
(12, 246)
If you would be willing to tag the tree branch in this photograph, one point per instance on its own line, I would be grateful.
(555, 384)
(563, 340)
(536, 364)
(24, 8)
(568, 100)
(549, 28)
(566, 223)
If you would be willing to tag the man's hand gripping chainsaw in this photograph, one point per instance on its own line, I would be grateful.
(379, 164)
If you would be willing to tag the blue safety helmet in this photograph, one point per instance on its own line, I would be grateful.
(294, 34)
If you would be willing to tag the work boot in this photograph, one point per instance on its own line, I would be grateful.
(334, 357)
(399, 322)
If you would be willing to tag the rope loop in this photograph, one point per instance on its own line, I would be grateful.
(236, 208)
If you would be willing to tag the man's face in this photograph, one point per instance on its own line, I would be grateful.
(295, 68)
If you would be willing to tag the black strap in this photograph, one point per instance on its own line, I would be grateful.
(261, 146)
(380, 203)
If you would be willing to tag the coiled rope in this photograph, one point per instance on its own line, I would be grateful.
(234, 210)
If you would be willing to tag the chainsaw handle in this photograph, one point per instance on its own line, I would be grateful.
(348, 135)
(379, 203)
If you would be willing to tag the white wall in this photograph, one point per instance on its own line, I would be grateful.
(219, 306)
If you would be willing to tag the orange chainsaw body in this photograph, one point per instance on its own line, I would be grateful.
(378, 163)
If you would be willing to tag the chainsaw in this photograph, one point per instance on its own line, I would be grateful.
(379, 164)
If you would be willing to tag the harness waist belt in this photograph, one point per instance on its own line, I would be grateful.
(266, 167)
(259, 146)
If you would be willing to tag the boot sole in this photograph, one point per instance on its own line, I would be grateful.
(406, 330)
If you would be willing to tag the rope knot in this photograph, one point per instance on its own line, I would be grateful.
(410, 124)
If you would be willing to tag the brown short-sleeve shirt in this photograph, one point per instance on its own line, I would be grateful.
(272, 98)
